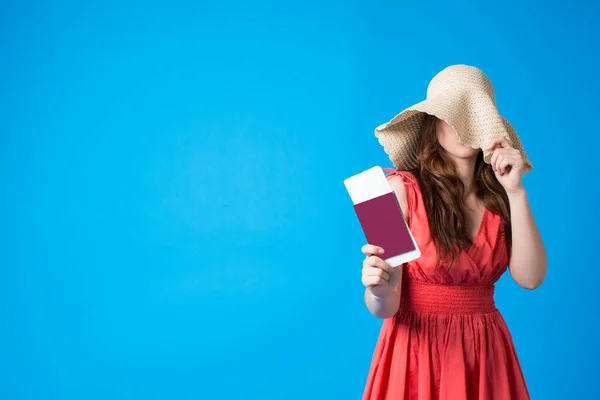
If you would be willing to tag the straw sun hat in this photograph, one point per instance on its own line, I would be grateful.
(462, 96)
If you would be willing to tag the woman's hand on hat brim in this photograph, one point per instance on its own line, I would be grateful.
(507, 163)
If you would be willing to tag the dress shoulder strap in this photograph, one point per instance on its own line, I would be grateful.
(412, 190)
(406, 176)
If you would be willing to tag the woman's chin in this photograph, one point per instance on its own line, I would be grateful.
(466, 153)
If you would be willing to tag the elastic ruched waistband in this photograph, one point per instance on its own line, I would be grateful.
(447, 299)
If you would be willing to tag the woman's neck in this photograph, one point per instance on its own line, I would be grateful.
(465, 168)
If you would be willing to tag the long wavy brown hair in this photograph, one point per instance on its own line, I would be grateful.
(443, 194)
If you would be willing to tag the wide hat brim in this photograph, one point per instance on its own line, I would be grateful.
(472, 114)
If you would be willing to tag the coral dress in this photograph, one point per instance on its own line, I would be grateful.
(447, 341)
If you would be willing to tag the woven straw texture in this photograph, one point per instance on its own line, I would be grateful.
(462, 96)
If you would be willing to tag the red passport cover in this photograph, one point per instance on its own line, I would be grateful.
(383, 224)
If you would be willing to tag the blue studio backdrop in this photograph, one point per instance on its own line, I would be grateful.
(173, 218)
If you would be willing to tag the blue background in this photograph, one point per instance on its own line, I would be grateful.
(173, 219)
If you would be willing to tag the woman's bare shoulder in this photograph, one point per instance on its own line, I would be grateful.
(399, 187)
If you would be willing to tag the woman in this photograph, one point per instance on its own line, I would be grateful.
(458, 173)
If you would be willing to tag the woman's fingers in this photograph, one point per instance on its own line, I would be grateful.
(503, 157)
(498, 142)
(370, 249)
(372, 276)
(498, 164)
(375, 271)
(494, 158)
(374, 261)
(497, 155)
(504, 162)
(370, 280)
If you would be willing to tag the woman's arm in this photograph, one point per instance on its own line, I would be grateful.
(387, 305)
(383, 299)
(528, 261)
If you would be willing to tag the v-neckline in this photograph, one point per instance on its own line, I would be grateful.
(479, 230)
